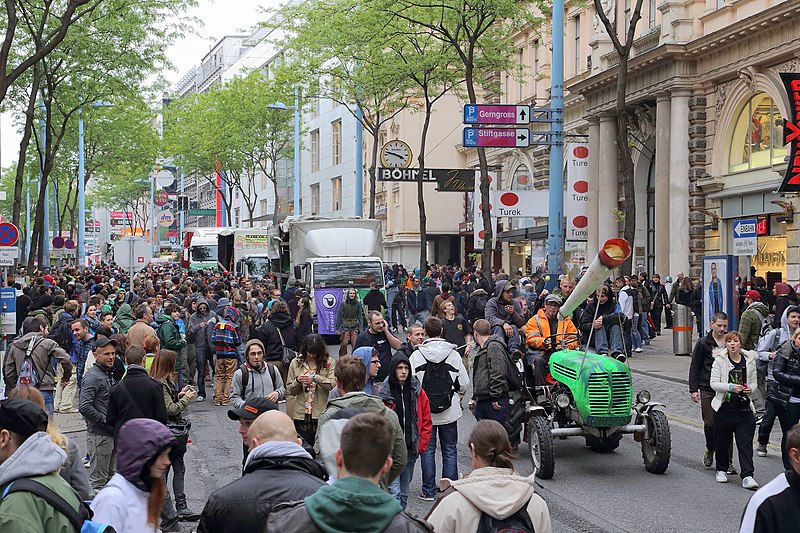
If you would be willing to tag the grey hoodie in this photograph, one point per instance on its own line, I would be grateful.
(437, 350)
(772, 341)
(197, 335)
(38, 456)
(496, 312)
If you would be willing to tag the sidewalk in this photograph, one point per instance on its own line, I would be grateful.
(659, 361)
(70, 423)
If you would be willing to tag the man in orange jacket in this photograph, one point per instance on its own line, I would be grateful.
(538, 331)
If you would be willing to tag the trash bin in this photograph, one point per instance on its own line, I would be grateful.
(681, 329)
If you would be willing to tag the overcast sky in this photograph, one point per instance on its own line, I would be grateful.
(219, 17)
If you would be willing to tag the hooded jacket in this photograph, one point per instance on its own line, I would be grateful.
(44, 351)
(489, 370)
(351, 505)
(144, 399)
(772, 341)
(123, 319)
(122, 503)
(273, 349)
(276, 472)
(498, 492)
(782, 301)
(496, 312)
(751, 323)
(417, 301)
(436, 350)
(409, 400)
(169, 334)
(39, 459)
(719, 375)
(360, 400)
(700, 366)
(607, 312)
(365, 353)
(41, 307)
(350, 315)
(786, 371)
(474, 309)
(197, 335)
(259, 384)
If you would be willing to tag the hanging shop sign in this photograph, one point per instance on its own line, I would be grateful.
(791, 133)
(576, 199)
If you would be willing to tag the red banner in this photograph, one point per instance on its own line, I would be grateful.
(791, 133)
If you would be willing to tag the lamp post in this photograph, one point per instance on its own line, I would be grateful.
(296, 109)
(82, 185)
(555, 230)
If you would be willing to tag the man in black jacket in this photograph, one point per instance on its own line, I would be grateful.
(490, 386)
(775, 508)
(278, 470)
(137, 395)
(700, 378)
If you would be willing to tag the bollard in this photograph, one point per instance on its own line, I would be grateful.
(681, 329)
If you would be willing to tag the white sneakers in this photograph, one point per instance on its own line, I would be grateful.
(749, 483)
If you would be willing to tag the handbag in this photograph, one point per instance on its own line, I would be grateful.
(288, 354)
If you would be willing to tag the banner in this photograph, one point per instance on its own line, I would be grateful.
(520, 203)
(477, 215)
(791, 133)
(326, 305)
(576, 199)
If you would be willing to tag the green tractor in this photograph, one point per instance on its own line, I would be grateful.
(591, 395)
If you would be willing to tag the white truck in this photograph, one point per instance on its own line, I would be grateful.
(333, 255)
(200, 247)
(246, 252)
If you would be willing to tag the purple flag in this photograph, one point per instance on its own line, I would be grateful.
(326, 304)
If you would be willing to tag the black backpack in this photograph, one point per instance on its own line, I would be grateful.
(513, 375)
(62, 334)
(519, 522)
(246, 376)
(438, 384)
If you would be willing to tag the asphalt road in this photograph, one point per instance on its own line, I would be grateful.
(589, 492)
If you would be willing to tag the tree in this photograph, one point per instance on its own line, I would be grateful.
(623, 49)
(340, 50)
(480, 34)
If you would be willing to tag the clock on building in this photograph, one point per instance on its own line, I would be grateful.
(396, 154)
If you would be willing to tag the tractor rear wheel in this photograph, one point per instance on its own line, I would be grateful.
(540, 441)
(604, 445)
(657, 449)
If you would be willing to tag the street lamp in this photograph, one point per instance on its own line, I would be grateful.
(82, 186)
(296, 109)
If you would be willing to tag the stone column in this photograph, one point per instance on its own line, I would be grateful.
(697, 171)
(679, 181)
(592, 244)
(608, 180)
(662, 209)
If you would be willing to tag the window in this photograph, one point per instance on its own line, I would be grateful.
(577, 44)
(264, 207)
(336, 194)
(236, 217)
(315, 199)
(757, 138)
(651, 19)
(315, 151)
(313, 110)
(627, 16)
(336, 141)
(521, 71)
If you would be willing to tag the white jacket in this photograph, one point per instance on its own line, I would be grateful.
(719, 375)
(498, 492)
(122, 506)
(437, 350)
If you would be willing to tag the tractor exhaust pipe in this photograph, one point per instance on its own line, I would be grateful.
(612, 254)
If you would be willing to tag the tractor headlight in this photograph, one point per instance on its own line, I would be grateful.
(562, 401)
(643, 396)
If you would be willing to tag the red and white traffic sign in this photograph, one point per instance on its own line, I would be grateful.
(9, 234)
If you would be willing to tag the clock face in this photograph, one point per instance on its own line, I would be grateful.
(396, 154)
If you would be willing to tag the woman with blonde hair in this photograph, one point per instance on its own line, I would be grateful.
(73, 470)
(733, 372)
(493, 494)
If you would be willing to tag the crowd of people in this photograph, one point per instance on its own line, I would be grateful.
(342, 433)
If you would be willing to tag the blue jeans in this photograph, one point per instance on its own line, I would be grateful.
(448, 434)
(637, 337)
(49, 404)
(644, 328)
(391, 293)
(485, 411)
(512, 341)
(419, 317)
(399, 487)
(201, 372)
(612, 333)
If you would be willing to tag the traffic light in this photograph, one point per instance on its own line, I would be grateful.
(183, 203)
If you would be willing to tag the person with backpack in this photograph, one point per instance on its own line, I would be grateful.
(753, 325)
(225, 341)
(278, 333)
(786, 393)
(29, 473)
(29, 361)
(60, 332)
(254, 378)
(491, 371)
(476, 306)
(133, 498)
(493, 497)
(123, 319)
(768, 348)
(438, 367)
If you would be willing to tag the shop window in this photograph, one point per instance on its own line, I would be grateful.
(757, 139)
(521, 181)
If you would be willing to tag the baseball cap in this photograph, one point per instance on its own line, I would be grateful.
(252, 408)
(753, 295)
(22, 417)
(103, 341)
(553, 298)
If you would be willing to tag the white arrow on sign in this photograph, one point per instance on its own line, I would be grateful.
(744, 228)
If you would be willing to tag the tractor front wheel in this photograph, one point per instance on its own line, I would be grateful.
(657, 449)
(540, 440)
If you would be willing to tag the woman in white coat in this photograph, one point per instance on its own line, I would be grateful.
(732, 375)
(493, 494)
